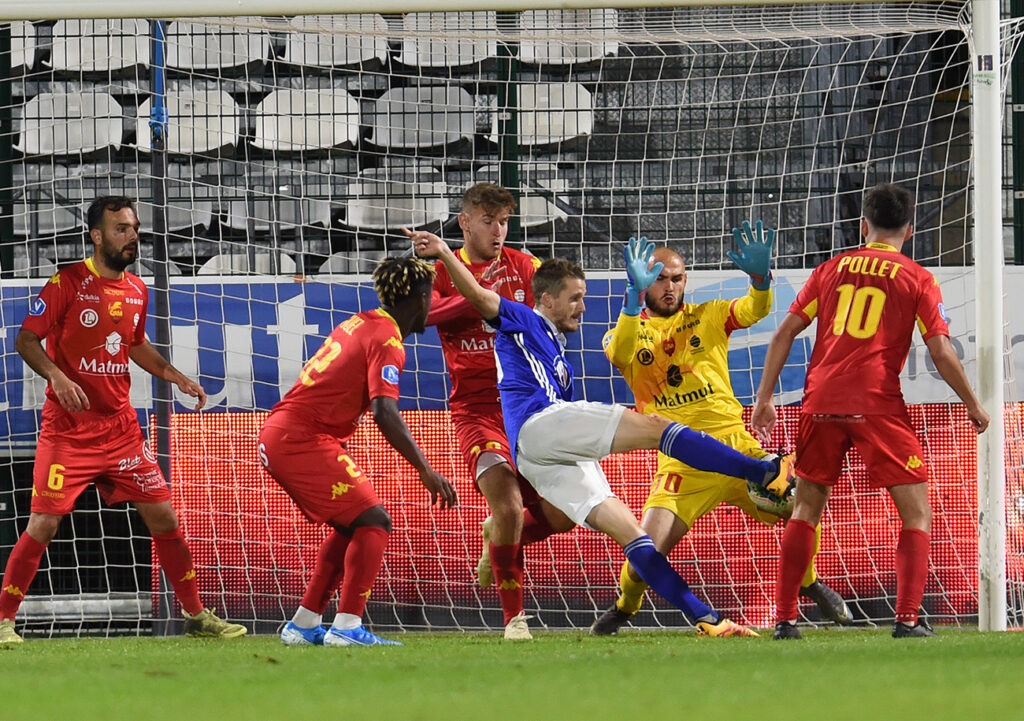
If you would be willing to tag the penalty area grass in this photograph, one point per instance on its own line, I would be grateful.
(828, 676)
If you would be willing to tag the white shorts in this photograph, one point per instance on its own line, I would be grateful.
(559, 450)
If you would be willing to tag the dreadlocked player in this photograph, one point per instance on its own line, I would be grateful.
(302, 445)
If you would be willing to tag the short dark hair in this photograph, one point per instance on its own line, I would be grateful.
(488, 196)
(397, 278)
(550, 277)
(888, 206)
(113, 203)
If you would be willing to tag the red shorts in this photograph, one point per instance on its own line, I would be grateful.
(111, 452)
(890, 448)
(481, 429)
(316, 471)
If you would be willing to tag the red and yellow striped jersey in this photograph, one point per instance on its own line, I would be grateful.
(867, 302)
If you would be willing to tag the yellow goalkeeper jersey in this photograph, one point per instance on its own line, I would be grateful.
(678, 367)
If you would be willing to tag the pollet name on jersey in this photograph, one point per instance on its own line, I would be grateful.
(106, 368)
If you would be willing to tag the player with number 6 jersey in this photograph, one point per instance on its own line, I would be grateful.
(302, 446)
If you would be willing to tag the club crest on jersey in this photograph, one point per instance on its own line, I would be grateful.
(113, 343)
(116, 310)
(390, 374)
(38, 307)
(88, 318)
(561, 372)
(669, 346)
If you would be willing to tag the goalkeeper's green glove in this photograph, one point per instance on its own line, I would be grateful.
(755, 256)
(637, 254)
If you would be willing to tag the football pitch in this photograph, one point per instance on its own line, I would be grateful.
(829, 675)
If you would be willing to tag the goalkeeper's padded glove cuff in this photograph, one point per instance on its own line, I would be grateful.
(761, 282)
(631, 303)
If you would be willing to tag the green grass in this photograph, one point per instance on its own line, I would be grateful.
(828, 676)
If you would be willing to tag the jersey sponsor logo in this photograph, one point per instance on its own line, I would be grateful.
(486, 327)
(390, 374)
(38, 307)
(116, 310)
(116, 292)
(102, 368)
(113, 343)
(477, 344)
(674, 375)
(669, 346)
(147, 452)
(694, 341)
(644, 356)
(127, 464)
(913, 462)
(519, 295)
(942, 312)
(149, 481)
(133, 301)
(87, 297)
(675, 400)
(88, 318)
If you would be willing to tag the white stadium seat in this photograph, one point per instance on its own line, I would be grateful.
(297, 120)
(199, 121)
(51, 219)
(181, 215)
(360, 262)
(290, 213)
(146, 268)
(208, 46)
(99, 45)
(28, 267)
(336, 40)
(23, 45)
(422, 117)
(564, 37)
(534, 209)
(448, 39)
(69, 124)
(390, 198)
(551, 113)
(239, 263)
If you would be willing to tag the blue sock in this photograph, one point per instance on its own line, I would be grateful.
(657, 573)
(698, 449)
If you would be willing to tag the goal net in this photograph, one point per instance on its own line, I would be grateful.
(295, 149)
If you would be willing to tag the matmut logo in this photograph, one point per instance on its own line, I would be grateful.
(112, 344)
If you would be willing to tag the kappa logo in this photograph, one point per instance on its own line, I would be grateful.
(14, 590)
(390, 374)
(509, 584)
(340, 489)
(88, 318)
(913, 462)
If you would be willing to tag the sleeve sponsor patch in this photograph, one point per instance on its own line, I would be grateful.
(390, 374)
(38, 307)
(942, 313)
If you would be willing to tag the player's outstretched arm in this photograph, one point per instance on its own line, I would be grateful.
(69, 394)
(428, 245)
(389, 420)
(948, 365)
(637, 255)
(148, 358)
(755, 253)
(762, 421)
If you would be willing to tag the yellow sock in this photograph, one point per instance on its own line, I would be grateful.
(632, 595)
(811, 576)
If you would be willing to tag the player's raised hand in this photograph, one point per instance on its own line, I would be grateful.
(69, 394)
(190, 387)
(426, 245)
(762, 421)
(755, 252)
(440, 489)
(491, 277)
(640, 272)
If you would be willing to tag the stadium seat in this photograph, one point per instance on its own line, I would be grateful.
(145, 268)
(422, 117)
(23, 45)
(336, 40)
(87, 46)
(70, 124)
(352, 262)
(51, 219)
(209, 46)
(290, 213)
(26, 266)
(391, 198)
(240, 263)
(199, 121)
(181, 215)
(551, 113)
(534, 208)
(564, 37)
(301, 120)
(448, 39)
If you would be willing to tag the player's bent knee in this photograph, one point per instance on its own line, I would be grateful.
(42, 527)
(376, 516)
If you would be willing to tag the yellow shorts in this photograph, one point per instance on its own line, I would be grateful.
(690, 493)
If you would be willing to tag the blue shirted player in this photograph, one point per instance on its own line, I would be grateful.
(558, 442)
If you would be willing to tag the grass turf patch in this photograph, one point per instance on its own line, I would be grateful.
(834, 675)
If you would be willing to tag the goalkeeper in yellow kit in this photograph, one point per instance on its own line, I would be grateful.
(674, 357)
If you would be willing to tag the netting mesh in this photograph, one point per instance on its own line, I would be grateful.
(298, 146)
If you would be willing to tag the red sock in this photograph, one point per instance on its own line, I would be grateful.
(176, 560)
(21, 569)
(797, 551)
(330, 568)
(911, 573)
(363, 559)
(507, 564)
(535, 528)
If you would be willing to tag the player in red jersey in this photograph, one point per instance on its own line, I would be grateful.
(302, 445)
(468, 345)
(93, 317)
(867, 302)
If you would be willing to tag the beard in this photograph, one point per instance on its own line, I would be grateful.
(664, 311)
(117, 260)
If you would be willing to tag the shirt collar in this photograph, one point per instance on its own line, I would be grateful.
(387, 315)
(554, 328)
(881, 246)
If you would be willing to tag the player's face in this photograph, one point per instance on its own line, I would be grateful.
(420, 322)
(484, 231)
(566, 308)
(665, 296)
(117, 238)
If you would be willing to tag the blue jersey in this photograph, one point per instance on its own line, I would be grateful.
(532, 370)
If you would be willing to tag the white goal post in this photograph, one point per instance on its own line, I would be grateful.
(989, 60)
